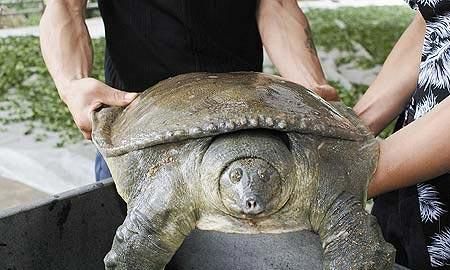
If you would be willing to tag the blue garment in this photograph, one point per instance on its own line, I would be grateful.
(101, 169)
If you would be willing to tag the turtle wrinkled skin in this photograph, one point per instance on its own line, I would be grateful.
(242, 153)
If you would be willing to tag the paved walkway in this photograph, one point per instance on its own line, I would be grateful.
(31, 170)
(14, 193)
(41, 165)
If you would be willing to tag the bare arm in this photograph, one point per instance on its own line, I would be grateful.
(65, 41)
(421, 150)
(396, 82)
(67, 51)
(286, 35)
(416, 153)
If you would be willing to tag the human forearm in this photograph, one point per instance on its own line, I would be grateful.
(67, 51)
(287, 38)
(394, 85)
(416, 153)
(65, 42)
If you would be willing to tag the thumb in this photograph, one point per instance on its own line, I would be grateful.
(113, 97)
(327, 92)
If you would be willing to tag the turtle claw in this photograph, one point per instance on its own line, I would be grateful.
(110, 261)
(352, 239)
(130, 244)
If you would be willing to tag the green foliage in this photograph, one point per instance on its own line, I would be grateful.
(352, 95)
(28, 13)
(20, 13)
(376, 29)
(27, 92)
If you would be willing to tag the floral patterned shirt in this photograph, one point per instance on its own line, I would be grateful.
(433, 87)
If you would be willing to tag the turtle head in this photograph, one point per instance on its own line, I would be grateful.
(251, 187)
(248, 174)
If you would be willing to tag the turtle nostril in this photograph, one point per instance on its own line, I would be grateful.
(251, 203)
(253, 206)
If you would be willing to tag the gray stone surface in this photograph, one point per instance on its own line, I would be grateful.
(74, 231)
(221, 251)
(71, 231)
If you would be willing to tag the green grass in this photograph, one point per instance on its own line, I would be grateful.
(33, 10)
(27, 93)
(376, 29)
(350, 96)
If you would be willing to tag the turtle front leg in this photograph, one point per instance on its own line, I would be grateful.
(351, 238)
(157, 222)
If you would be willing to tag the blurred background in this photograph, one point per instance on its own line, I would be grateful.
(42, 151)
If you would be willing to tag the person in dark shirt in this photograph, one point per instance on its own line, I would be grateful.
(151, 40)
(412, 183)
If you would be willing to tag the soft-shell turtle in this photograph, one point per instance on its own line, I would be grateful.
(239, 153)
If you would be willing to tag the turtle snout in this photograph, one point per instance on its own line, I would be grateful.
(251, 188)
(253, 206)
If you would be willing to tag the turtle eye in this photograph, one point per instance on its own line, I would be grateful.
(263, 175)
(236, 175)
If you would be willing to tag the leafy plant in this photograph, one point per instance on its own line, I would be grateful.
(351, 96)
(373, 29)
(27, 92)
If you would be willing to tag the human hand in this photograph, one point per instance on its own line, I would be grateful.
(326, 92)
(83, 96)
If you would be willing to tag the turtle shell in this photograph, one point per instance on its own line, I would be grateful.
(204, 104)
